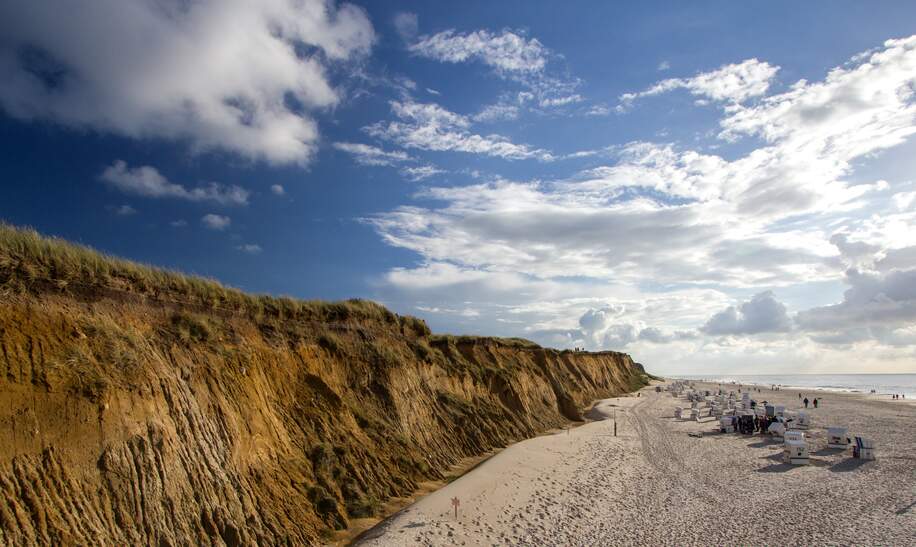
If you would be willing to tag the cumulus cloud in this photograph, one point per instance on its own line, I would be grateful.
(277, 189)
(365, 154)
(733, 83)
(167, 70)
(215, 222)
(761, 314)
(882, 300)
(125, 211)
(428, 126)
(146, 181)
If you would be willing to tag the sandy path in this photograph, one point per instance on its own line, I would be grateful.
(655, 484)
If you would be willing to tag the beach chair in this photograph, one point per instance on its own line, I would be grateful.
(794, 435)
(727, 424)
(802, 420)
(777, 429)
(836, 437)
(795, 452)
(678, 411)
(864, 449)
(780, 411)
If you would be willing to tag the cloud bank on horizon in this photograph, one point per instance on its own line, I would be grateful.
(763, 236)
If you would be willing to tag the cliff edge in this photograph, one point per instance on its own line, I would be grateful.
(140, 406)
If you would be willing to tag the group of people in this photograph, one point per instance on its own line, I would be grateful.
(806, 401)
(900, 396)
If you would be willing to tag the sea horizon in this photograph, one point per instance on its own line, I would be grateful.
(882, 383)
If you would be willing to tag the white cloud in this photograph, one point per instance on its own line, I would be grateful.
(250, 248)
(167, 70)
(733, 83)
(598, 110)
(146, 181)
(406, 24)
(497, 112)
(428, 126)
(693, 233)
(561, 101)
(664, 65)
(506, 52)
(125, 210)
(366, 154)
(180, 223)
(761, 314)
(512, 55)
(432, 91)
(277, 189)
(904, 200)
(215, 222)
(421, 172)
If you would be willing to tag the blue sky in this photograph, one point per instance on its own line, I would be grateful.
(712, 189)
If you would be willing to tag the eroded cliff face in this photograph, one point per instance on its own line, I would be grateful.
(131, 421)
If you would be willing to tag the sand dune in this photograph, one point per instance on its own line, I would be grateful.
(654, 484)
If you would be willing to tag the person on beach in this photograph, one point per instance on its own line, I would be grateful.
(815, 402)
(806, 402)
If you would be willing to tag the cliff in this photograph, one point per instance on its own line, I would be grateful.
(139, 406)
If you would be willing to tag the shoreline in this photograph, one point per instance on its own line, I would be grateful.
(588, 487)
(910, 392)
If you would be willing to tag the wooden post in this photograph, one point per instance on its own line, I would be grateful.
(455, 503)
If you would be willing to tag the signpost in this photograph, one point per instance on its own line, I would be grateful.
(455, 503)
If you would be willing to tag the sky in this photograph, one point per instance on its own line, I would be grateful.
(715, 188)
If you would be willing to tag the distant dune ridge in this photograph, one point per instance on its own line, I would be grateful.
(140, 406)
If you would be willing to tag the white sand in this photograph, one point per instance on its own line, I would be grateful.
(654, 484)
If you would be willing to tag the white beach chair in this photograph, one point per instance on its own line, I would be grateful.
(802, 420)
(777, 429)
(795, 452)
(794, 435)
(837, 437)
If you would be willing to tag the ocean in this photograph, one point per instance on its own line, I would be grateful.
(862, 383)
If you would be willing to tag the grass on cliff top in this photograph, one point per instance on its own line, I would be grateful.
(32, 263)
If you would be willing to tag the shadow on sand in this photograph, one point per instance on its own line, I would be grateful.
(829, 451)
(847, 465)
(778, 468)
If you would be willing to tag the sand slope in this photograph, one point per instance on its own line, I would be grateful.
(654, 484)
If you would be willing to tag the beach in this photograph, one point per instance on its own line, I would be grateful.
(655, 483)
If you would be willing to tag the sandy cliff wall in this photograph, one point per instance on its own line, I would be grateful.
(126, 421)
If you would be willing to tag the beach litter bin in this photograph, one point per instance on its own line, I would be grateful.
(836, 437)
(864, 449)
